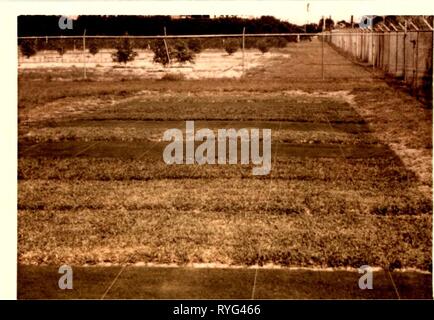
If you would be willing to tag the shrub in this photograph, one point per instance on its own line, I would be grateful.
(181, 52)
(263, 46)
(178, 51)
(173, 77)
(125, 52)
(60, 46)
(28, 48)
(231, 46)
(61, 50)
(93, 48)
(160, 54)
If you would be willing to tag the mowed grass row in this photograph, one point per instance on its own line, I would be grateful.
(221, 106)
(380, 174)
(177, 236)
(285, 197)
(327, 135)
(227, 107)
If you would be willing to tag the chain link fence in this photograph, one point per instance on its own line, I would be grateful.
(404, 55)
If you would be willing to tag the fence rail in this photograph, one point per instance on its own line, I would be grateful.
(184, 36)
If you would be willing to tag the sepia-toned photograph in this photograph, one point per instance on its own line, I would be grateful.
(223, 156)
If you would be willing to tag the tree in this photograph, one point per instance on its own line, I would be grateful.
(181, 52)
(125, 52)
(178, 51)
(160, 53)
(231, 46)
(329, 24)
(312, 28)
(27, 48)
(263, 45)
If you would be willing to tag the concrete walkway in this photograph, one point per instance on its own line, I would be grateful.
(134, 282)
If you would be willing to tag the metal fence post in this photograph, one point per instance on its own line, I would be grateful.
(165, 46)
(416, 74)
(84, 55)
(322, 55)
(389, 34)
(405, 52)
(244, 44)
(322, 47)
(372, 48)
(396, 54)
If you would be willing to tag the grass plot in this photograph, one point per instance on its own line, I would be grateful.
(350, 182)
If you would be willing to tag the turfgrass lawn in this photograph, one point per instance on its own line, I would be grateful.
(350, 181)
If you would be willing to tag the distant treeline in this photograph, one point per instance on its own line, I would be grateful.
(154, 25)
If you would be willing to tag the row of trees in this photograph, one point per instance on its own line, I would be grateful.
(152, 25)
(177, 50)
(66, 44)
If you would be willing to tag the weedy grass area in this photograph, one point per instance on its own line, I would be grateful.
(350, 182)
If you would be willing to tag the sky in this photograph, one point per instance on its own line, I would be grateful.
(294, 11)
